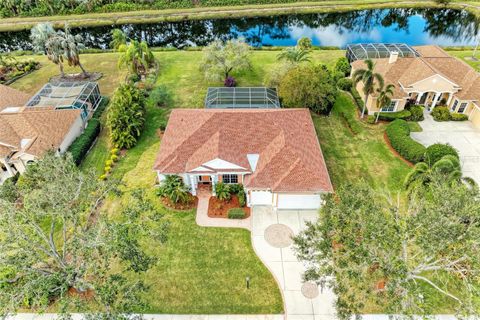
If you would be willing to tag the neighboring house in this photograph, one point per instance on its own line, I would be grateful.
(50, 120)
(432, 78)
(274, 153)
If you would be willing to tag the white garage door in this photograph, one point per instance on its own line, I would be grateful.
(299, 201)
(259, 198)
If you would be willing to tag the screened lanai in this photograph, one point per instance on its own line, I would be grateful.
(246, 97)
(68, 95)
(363, 51)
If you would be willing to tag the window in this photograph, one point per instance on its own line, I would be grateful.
(454, 105)
(391, 107)
(462, 107)
(230, 178)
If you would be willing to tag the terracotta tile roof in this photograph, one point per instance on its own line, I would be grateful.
(45, 128)
(434, 60)
(290, 158)
(10, 97)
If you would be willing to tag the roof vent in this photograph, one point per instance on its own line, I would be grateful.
(253, 160)
(393, 57)
(11, 110)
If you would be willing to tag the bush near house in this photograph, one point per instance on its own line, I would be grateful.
(357, 98)
(437, 151)
(416, 113)
(345, 84)
(441, 113)
(174, 190)
(458, 117)
(390, 116)
(398, 132)
(236, 213)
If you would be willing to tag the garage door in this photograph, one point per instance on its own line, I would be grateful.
(299, 201)
(259, 198)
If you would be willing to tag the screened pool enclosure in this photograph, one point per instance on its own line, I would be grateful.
(249, 98)
(68, 95)
(363, 51)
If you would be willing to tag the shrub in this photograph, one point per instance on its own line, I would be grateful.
(114, 158)
(108, 163)
(304, 43)
(242, 198)
(416, 112)
(398, 132)
(437, 151)
(356, 97)
(236, 213)
(458, 117)
(230, 82)
(107, 169)
(159, 97)
(103, 177)
(101, 108)
(162, 124)
(343, 66)
(82, 143)
(126, 116)
(351, 121)
(114, 151)
(441, 113)
(235, 188)
(174, 189)
(371, 119)
(310, 87)
(390, 116)
(345, 84)
(222, 191)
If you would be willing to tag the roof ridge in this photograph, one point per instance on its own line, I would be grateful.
(286, 172)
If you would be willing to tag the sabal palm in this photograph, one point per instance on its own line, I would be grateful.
(384, 97)
(294, 55)
(368, 77)
(420, 175)
(137, 57)
(174, 189)
(118, 39)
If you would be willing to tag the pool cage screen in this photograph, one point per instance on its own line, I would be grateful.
(246, 97)
(68, 95)
(363, 51)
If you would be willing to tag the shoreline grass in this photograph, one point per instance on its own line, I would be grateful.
(201, 13)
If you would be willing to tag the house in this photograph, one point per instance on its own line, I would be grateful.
(50, 120)
(430, 78)
(274, 153)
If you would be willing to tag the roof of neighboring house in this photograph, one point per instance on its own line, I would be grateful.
(10, 97)
(434, 60)
(34, 130)
(289, 155)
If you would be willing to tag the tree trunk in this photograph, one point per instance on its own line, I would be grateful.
(378, 115)
(364, 105)
(85, 73)
(62, 74)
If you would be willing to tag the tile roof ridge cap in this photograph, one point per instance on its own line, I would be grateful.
(286, 172)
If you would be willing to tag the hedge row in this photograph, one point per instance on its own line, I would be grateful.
(390, 116)
(82, 143)
(398, 132)
(357, 98)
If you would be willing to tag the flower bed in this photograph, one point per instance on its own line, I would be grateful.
(191, 204)
(219, 209)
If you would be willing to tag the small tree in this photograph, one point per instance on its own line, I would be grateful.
(220, 59)
(137, 58)
(384, 98)
(119, 38)
(343, 66)
(304, 43)
(223, 191)
(294, 55)
(368, 78)
(174, 189)
(310, 87)
(368, 248)
(126, 116)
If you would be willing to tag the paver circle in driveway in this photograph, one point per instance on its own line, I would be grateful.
(279, 235)
(310, 290)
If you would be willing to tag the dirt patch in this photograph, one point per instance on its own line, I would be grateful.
(76, 77)
(83, 295)
(191, 204)
(395, 153)
(219, 209)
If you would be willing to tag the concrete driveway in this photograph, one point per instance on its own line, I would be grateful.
(271, 237)
(462, 135)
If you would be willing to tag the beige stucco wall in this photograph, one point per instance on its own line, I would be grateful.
(433, 84)
(76, 130)
(475, 116)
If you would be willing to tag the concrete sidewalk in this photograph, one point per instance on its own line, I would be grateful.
(270, 233)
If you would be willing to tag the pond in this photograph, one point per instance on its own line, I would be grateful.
(445, 27)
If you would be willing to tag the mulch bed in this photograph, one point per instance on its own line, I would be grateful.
(180, 206)
(219, 209)
(76, 77)
(395, 153)
(86, 295)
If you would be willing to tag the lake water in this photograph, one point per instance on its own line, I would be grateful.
(445, 27)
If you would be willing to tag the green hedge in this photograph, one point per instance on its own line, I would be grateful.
(357, 98)
(81, 145)
(390, 116)
(441, 113)
(236, 213)
(416, 113)
(351, 121)
(398, 132)
(437, 151)
(458, 117)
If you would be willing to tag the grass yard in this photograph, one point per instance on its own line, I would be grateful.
(466, 55)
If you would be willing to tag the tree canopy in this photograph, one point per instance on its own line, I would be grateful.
(54, 246)
(370, 248)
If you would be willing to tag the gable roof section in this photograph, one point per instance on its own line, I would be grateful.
(45, 128)
(289, 155)
(10, 97)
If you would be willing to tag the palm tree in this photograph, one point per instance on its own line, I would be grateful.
(118, 39)
(40, 35)
(368, 77)
(174, 189)
(384, 97)
(448, 166)
(137, 58)
(294, 55)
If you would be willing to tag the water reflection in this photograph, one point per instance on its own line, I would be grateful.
(412, 26)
